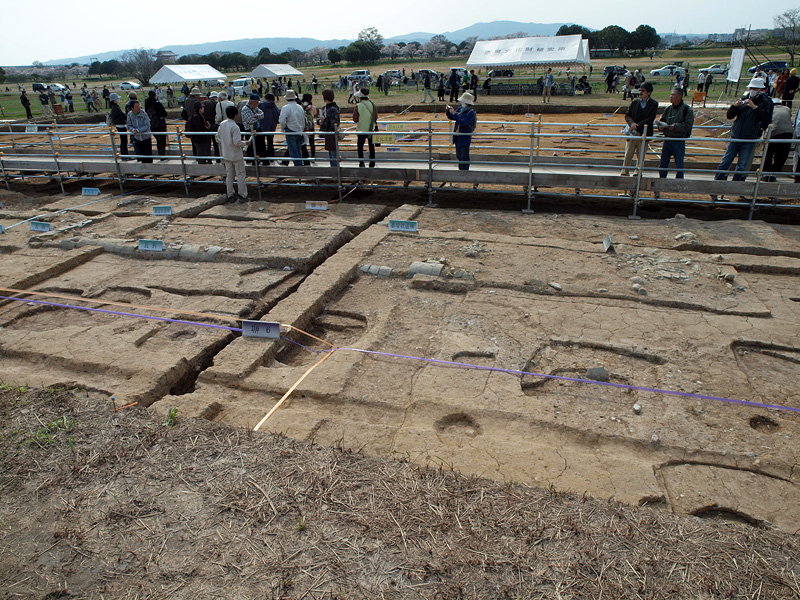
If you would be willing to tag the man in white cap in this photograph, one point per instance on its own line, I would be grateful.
(188, 103)
(466, 120)
(752, 115)
(293, 122)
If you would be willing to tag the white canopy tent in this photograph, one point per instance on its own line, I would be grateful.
(180, 73)
(556, 50)
(274, 71)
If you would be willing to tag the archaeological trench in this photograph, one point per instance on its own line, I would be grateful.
(710, 309)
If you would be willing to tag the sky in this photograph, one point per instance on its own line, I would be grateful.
(74, 30)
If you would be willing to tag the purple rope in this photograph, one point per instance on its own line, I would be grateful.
(577, 380)
(435, 361)
(113, 312)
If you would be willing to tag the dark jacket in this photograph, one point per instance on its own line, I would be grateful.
(466, 121)
(271, 115)
(210, 113)
(642, 116)
(328, 121)
(683, 119)
(116, 116)
(153, 107)
(750, 123)
(24, 99)
(196, 123)
(790, 87)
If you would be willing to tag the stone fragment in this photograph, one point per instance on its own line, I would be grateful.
(555, 286)
(596, 374)
(686, 236)
(637, 408)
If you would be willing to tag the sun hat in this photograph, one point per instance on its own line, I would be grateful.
(113, 97)
(195, 92)
(214, 95)
(290, 95)
(756, 83)
(466, 98)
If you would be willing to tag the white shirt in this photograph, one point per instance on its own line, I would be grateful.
(293, 117)
(230, 141)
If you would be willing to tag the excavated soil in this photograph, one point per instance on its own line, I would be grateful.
(495, 406)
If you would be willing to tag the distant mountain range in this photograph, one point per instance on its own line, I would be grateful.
(280, 44)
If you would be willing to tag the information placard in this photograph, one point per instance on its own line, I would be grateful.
(316, 205)
(90, 192)
(162, 211)
(383, 138)
(405, 226)
(31, 129)
(151, 245)
(607, 243)
(261, 329)
(40, 226)
(395, 126)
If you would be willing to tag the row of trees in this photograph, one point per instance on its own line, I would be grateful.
(616, 38)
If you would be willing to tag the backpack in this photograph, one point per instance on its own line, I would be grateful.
(155, 122)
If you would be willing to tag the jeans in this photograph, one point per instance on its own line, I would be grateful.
(364, 137)
(462, 154)
(745, 152)
(293, 143)
(143, 148)
(676, 148)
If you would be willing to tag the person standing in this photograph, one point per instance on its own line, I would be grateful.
(440, 89)
(269, 123)
(139, 127)
(68, 98)
(778, 153)
(221, 109)
(640, 116)
(229, 137)
(453, 83)
(790, 88)
(210, 114)
(118, 119)
(26, 103)
(190, 101)
(329, 123)
(251, 122)
(709, 81)
(170, 97)
(487, 86)
(701, 81)
(610, 81)
(45, 101)
(314, 83)
(465, 122)
(293, 120)
(426, 88)
(473, 84)
(676, 124)
(752, 115)
(365, 116)
(158, 121)
(196, 130)
(311, 116)
(106, 95)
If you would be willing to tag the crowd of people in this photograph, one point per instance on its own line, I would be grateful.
(220, 129)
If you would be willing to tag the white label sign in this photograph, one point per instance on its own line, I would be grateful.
(407, 226)
(261, 329)
(316, 205)
(90, 192)
(151, 245)
(607, 243)
(530, 115)
(31, 129)
(162, 211)
(39, 226)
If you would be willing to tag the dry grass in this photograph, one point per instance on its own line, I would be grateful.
(98, 504)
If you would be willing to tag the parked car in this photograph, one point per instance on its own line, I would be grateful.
(616, 69)
(668, 70)
(716, 69)
(129, 85)
(361, 76)
(394, 75)
(39, 87)
(242, 86)
(460, 70)
(56, 87)
(501, 73)
(434, 75)
(773, 65)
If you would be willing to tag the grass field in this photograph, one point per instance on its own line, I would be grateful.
(694, 59)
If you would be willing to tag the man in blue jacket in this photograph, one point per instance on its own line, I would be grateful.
(466, 120)
(752, 115)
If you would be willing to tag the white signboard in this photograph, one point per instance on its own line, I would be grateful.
(737, 60)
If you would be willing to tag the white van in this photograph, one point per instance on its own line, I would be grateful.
(242, 86)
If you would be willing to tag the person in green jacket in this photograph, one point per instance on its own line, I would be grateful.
(676, 124)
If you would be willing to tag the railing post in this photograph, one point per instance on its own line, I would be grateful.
(11, 131)
(338, 161)
(55, 159)
(430, 165)
(529, 210)
(539, 132)
(111, 130)
(759, 174)
(254, 146)
(3, 168)
(183, 162)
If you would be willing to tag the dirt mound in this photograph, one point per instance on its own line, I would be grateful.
(99, 503)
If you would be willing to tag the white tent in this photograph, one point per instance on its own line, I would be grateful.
(274, 71)
(179, 73)
(556, 50)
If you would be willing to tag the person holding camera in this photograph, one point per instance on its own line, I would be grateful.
(466, 121)
(752, 114)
